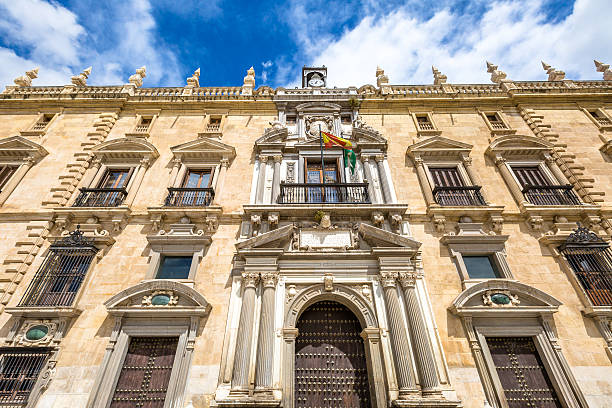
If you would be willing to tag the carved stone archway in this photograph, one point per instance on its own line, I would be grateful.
(363, 310)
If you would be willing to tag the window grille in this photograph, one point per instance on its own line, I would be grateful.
(59, 278)
(590, 258)
(19, 370)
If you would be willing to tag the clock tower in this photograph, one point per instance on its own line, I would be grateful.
(314, 77)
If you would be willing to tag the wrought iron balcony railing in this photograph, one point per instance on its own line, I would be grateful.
(100, 197)
(551, 195)
(459, 196)
(355, 193)
(189, 197)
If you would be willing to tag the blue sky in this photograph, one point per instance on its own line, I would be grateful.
(225, 37)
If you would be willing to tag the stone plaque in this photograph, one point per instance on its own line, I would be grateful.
(325, 239)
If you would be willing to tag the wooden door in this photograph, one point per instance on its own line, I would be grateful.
(143, 381)
(314, 175)
(521, 373)
(330, 364)
(193, 184)
(113, 179)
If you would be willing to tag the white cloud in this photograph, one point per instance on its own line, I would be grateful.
(513, 34)
(115, 41)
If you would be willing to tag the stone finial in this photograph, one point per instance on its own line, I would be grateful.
(497, 76)
(136, 79)
(194, 80)
(553, 74)
(439, 78)
(605, 68)
(381, 78)
(81, 79)
(26, 80)
(249, 82)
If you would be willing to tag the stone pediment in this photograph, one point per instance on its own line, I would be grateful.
(495, 296)
(438, 146)
(378, 237)
(20, 147)
(518, 145)
(158, 298)
(126, 148)
(318, 107)
(368, 138)
(204, 148)
(277, 238)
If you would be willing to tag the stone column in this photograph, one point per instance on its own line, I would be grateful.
(399, 341)
(422, 175)
(555, 169)
(515, 189)
(371, 343)
(176, 166)
(474, 178)
(142, 169)
(244, 338)
(265, 349)
(276, 178)
(289, 335)
(261, 181)
(221, 180)
(13, 182)
(368, 175)
(426, 362)
(382, 175)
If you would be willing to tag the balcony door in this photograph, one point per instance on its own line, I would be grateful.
(530, 176)
(113, 181)
(194, 185)
(315, 175)
(448, 186)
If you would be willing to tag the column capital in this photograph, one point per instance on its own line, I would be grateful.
(365, 158)
(387, 279)
(379, 158)
(278, 158)
(224, 163)
(176, 162)
(418, 161)
(269, 279)
(407, 279)
(250, 279)
(467, 160)
(499, 160)
(549, 159)
(263, 158)
(29, 161)
(290, 333)
(145, 162)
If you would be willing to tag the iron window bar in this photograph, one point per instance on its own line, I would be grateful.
(307, 193)
(189, 197)
(19, 371)
(459, 196)
(551, 195)
(60, 276)
(590, 257)
(100, 197)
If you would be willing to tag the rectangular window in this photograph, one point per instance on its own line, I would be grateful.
(480, 267)
(446, 176)
(521, 373)
(314, 175)
(197, 179)
(144, 125)
(174, 267)
(43, 122)
(19, 370)
(214, 124)
(593, 268)
(5, 174)
(116, 178)
(424, 122)
(530, 176)
(145, 375)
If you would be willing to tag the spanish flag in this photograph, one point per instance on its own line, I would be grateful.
(350, 158)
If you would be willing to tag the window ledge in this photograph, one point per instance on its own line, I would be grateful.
(43, 311)
(598, 311)
(502, 132)
(533, 209)
(434, 132)
(143, 135)
(33, 132)
(337, 208)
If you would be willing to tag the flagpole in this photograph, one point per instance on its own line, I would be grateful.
(322, 159)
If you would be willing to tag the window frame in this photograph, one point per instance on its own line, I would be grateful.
(31, 131)
(434, 164)
(541, 164)
(38, 385)
(425, 132)
(190, 271)
(505, 131)
(600, 111)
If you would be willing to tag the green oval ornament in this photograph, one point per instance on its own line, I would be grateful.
(500, 299)
(160, 300)
(37, 332)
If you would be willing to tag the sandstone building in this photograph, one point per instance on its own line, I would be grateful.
(187, 247)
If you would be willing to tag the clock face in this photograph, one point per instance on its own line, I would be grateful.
(316, 80)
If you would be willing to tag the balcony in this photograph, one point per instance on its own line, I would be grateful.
(100, 197)
(426, 126)
(497, 125)
(459, 196)
(551, 195)
(354, 193)
(189, 197)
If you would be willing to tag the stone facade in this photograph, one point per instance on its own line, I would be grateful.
(381, 240)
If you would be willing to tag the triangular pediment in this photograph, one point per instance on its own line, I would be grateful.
(126, 147)
(367, 137)
(204, 148)
(380, 238)
(495, 296)
(20, 147)
(519, 145)
(439, 146)
(277, 238)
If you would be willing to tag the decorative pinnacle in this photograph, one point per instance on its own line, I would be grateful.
(81, 79)
(136, 79)
(497, 76)
(439, 78)
(381, 78)
(194, 80)
(553, 74)
(605, 68)
(26, 80)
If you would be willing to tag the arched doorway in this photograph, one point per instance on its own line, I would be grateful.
(330, 362)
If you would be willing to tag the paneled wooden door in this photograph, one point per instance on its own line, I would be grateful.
(143, 381)
(521, 373)
(330, 363)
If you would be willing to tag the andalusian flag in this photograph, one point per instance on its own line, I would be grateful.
(350, 158)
